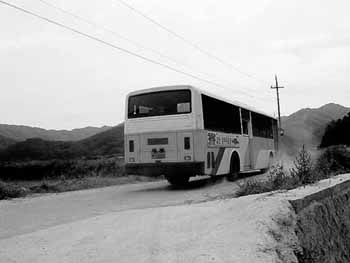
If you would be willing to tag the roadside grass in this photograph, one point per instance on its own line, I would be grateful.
(333, 161)
(54, 169)
(18, 179)
(277, 180)
(54, 186)
(62, 176)
(23, 188)
(9, 190)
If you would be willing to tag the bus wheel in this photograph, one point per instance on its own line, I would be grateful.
(178, 180)
(234, 167)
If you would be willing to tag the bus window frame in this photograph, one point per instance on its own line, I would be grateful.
(162, 91)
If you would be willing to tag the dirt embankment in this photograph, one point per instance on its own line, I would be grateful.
(323, 225)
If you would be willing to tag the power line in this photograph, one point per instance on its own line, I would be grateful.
(94, 24)
(188, 42)
(113, 45)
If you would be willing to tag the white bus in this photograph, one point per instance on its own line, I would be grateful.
(182, 131)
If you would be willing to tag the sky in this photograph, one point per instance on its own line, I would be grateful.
(56, 79)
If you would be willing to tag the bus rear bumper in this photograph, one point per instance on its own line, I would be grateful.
(156, 169)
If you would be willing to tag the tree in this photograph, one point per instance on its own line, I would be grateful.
(337, 132)
(303, 167)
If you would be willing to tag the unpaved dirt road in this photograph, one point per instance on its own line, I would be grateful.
(20, 216)
(222, 231)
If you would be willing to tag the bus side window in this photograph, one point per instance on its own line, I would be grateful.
(220, 116)
(245, 121)
(262, 126)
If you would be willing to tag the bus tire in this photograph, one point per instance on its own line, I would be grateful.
(178, 180)
(234, 167)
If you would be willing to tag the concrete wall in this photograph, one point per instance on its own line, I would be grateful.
(323, 225)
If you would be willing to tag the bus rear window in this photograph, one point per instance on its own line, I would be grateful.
(159, 103)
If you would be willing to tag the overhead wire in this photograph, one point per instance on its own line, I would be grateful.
(188, 42)
(195, 46)
(94, 24)
(121, 49)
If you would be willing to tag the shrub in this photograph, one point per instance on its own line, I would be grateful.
(252, 187)
(69, 169)
(277, 175)
(303, 171)
(334, 160)
(11, 191)
(277, 180)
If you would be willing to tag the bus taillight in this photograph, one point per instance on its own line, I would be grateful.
(187, 143)
(131, 146)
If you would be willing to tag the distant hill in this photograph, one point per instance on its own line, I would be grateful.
(5, 142)
(307, 126)
(21, 133)
(38, 149)
(107, 142)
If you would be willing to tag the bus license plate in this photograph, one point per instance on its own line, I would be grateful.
(158, 155)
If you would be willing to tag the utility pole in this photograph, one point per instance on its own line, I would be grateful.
(279, 127)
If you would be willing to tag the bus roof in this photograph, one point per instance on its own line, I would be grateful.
(177, 87)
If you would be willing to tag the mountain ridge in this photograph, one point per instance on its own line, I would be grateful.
(305, 126)
(6, 142)
(22, 132)
(108, 142)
